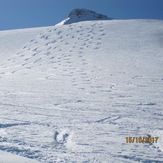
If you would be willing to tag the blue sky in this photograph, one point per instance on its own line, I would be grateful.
(16, 14)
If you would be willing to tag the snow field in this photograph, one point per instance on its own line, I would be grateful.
(73, 93)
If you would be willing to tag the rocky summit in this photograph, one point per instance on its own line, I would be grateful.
(77, 15)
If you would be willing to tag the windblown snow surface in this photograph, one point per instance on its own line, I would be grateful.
(73, 93)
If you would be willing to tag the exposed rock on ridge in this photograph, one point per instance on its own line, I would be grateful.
(78, 15)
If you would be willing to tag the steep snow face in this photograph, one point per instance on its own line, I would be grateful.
(78, 15)
(73, 93)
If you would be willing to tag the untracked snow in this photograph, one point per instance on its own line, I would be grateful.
(6, 157)
(73, 93)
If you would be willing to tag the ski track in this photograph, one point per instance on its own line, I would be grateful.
(60, 101)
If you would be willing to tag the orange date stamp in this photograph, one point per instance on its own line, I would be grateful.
(142, 139)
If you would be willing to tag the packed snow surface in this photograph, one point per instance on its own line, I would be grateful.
(73, 93)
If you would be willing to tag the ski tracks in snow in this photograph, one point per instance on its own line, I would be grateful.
(77, 109)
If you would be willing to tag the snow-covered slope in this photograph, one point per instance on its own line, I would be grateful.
(12, 41)
(74, 92)
(6, 157)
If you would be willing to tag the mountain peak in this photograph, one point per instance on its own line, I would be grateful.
(78, 15)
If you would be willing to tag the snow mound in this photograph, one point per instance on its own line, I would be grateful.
(78, 15)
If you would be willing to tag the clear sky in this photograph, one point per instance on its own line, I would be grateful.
(16, 14)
